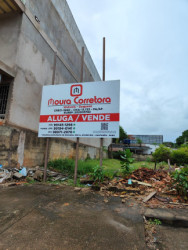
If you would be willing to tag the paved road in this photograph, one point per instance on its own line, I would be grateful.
(57, 217)
(47, 217)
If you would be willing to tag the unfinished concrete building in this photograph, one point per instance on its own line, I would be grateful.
(31, 31)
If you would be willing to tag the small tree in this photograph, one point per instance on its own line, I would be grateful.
(162, 153)
(127, 159)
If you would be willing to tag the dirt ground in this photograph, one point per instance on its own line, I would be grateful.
(57, 217)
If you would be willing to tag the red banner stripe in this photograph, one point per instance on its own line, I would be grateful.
(112, 117)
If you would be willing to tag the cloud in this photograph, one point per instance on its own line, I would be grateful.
(146, 48)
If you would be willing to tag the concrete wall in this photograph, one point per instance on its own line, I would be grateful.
(65, 13)
(20, 147)
(34, 69)
(24, 49)
(58, 23)
(10, 25)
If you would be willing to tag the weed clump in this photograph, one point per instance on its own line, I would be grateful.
(67, 166)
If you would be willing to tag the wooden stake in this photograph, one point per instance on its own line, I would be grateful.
(46, 159)
(76, 161)
(103, 78)
(169, 167)
(77, 139)
(48, 139)
(101, 151)
(142, 183)
(155, 167)
(147, 198)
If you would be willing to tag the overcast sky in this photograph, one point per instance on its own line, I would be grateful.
(147, 49)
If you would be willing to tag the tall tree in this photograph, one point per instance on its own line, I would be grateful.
(122, 133)
(183, 138)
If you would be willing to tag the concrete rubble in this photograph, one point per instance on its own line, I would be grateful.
(152, 188)
(15, 175)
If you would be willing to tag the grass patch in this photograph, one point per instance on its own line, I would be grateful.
(146, 164)
(30, 180)
(67, 166)
(70, 182)
(112, 167)
(142, 164)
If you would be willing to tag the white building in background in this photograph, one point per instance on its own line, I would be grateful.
(144, 144)
(151, 148)
(146, 139)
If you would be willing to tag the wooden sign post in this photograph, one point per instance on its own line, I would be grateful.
(103, 78)
(47, 140)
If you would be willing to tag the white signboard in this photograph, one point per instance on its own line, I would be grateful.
(80, 110)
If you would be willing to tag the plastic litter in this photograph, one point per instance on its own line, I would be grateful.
(129, 181)
(1, 166)
(64, 179)
(23, 171)
(88, 185)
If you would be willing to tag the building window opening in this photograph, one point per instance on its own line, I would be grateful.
(5, 82)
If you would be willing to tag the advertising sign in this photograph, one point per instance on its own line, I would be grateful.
(80, 110)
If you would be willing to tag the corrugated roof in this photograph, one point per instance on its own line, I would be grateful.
(7, 6)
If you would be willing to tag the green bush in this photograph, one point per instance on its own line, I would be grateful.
(180, 156)
(181, 181)
(67, 166)
(162, 153)
(98, 174)
(118, 154)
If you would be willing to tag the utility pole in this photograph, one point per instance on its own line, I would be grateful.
(103, 78)
(77, 139)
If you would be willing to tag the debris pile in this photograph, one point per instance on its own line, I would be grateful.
(15, 176)
(153, 188)
(159, 179)
(146, 174)
(141, 179)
